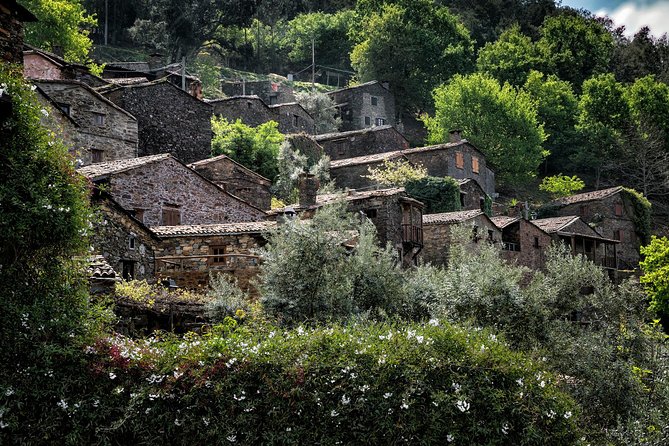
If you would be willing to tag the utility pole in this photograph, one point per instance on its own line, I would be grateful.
(183, 73)
(106, 20)
(313, 65)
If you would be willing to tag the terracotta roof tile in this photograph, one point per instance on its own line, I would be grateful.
(554, 224)
(502, 221)
(98, 268)
(450, 217)
(586, 196)
(337, 135)
(214, 229)
(100, 170)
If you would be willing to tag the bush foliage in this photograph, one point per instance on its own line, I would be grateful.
(438, 194)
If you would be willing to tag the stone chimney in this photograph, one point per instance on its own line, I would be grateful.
(308, 186)
(386, 85)
(156, 61)
(455, 135)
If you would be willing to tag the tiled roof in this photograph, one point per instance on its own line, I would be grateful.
(354, 195)
(133, 66)
(215, 159)
(366, 84)
(554, 224)
(235, 98)
(337, 135)
(127, 80)
(367, 159)
(100, 170)
(450, 217)
(98, 268)
(586, 196)
(502, 221)
(214, 229)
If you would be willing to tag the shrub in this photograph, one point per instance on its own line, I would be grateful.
(397, 173)
(438, 194)
(227, 298)
(561, 185)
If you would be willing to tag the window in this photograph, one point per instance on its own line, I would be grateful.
(128, 269)
(459, 160)
(99, 118)
(536, 242)
(491, 235)
(618, 235)
(65, 108)
(380, 121)
(171, 216)
(475, 164)
(249, 104)
(582, 210)
(218, 251)
(273, 100)
(371, 213)
(296, 121)
(482, 203)
(375, 100)
(131, 242)
(618, 210)
(139, 214)
(368, 120)
(97, 156)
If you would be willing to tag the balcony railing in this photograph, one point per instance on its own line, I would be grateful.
(508, 246)
(412, 234)
(608, 262)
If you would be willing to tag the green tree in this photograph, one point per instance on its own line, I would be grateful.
(414, 45)
(396, 173)
(500, 120)
(655, 267)
(291, 162)
(438, 194)
(254, 147)
(575, 47)
(561, 185)
(557, 107)
(510, 58)
(322, 108)
(61, 25)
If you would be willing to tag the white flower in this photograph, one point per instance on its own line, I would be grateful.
(33, 87)
(96, 403)
(300, 331)
(382, 359)
(520, 382)
(345, 400)
(45, 113)
(419, 339)
(364, 388)
(387, 395)
(551, 414)
(334, 413)
(112, 375)
(178, 422)
(404, 405)
(411, 334)
(205, 421)
(62, 404)
(567, 415)
(230, 362)
(456, 387)
(9, 391)
(542, 384)
(462, 405)
(505, 428)
(449, 438)
(434, 322)
(231, 438)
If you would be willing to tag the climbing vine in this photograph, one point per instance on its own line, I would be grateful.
(642, 214)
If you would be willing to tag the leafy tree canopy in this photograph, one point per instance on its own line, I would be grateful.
(397, 173)
(322, 108)
(655, 267)
(438, 194)
(561, 185)
(499, 119)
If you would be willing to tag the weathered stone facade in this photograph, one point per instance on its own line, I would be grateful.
(236, 179)
(292, 118)
(164, 192)
(437, 233)
(12, 18)
(56, 120)
(125, 243)
(611, 213)
(251, 110)
(43, 65)
(105, 132)
(189, 254)
(523, 243)
(352, 173)
(472, 195)
(271, 92)
(363, 142)
(365, 105)
(169, 119)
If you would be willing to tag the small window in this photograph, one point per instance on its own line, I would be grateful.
(491, 235)
(296, 121)
(131, 242)
(65, 108)
(139, 214)
(618, 235)
(219, 255)
(371, 213)
(368, 120)
(475, 164)
(249, 104)
(128, 269)
(482, 203)
(475, 233)
(459, 160)
(582, 210)
(99, 119)
(171, 216)
(380, 121)
(97, 156)
(375, 100)
(619, 209)
(536, 242)
(273, 100)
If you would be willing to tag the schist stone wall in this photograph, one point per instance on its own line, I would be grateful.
(169, 119)
(125, 244)
(105, 132)
(472, 196)
(236, 179)
(58, 122)
(525, 244)
(292, 118)
(43, 65)
(251, 110)
(437, 235)
(364, 106)
(362, 142)
(12, 17)
(168, 193)
(352, 172)
(269, 91)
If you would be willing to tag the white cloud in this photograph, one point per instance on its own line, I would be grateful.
(635, 16)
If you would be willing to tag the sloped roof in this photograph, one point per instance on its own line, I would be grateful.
(451, 217)
(354, 195)
(554, 224)
(127, 80)
(367, 159)
(21, 12)
(502, 221)
(337, 135)
(214, 229)
(101, 170)
(586, 196)
(247, 97)
(98, 268)
(218, 158)
(55, 105)
(353, 87)
(158, 82)
(568, 225)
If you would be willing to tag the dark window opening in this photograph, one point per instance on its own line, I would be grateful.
(582, 210)
(65, 108)
(619, 210)
(380, 121)
(273, 100)
(536, 242)
(248, 104)
(99, 119)
(368, 120)
(482, 203)
(491, 235)
(371, 213)
(219, 255)
(128, 269)
(131, 242)
(375, 100)
(618, 235)
(97, 156)
(462, 199)
(296, 121)
(171, 217)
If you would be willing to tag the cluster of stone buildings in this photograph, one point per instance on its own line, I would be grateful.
(167, 210)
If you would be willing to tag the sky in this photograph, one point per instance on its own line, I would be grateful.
(632, 13)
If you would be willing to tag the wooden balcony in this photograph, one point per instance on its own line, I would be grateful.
(412, 234)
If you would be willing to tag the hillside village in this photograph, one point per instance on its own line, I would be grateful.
(141, 133)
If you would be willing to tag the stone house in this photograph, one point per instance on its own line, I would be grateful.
(236, 179)
(437, 233)
(125, 242)
(365, 105)
(363, 142)
(351, 173)
(39, 64)
(611, 211)
(12, 18)
(251, 110)
(59, 122)
(292, 118)
(472, 195)
(169, 119)
(270, 91)
(104, 132)
(189, 254)
(162, 191)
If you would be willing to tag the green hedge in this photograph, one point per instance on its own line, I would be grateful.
(257, 384)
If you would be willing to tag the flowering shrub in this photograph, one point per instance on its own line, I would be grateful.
(254, 384)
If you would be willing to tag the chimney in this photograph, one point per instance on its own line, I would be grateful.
(156, 61)
(308, 186)
(455, 135)
(386, 85)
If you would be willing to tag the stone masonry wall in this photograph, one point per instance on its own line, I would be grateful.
(58, 123)
(375, 140)
(111, 239)
(530, 255)
(437, 239)
(116, 136)
(250, 110)
(169, 184)
(359, 106)
(472, 195)
(353, 177)
(169, 120)
(11, 36)
(292, 118)
(270, 92)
